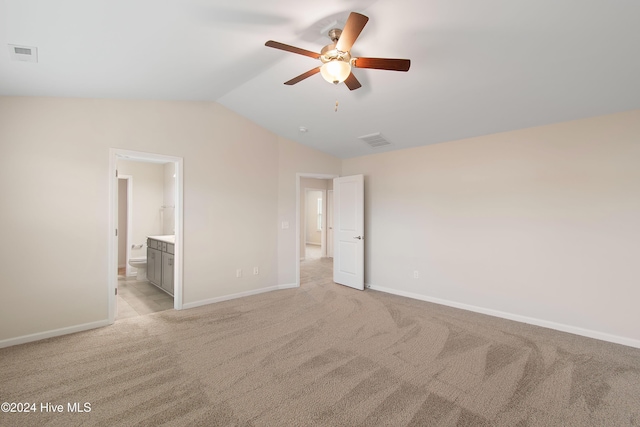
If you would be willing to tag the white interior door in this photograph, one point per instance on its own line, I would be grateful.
(348, 222)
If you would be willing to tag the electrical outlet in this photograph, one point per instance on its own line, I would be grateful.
(239, 272)
(416, 275)
(255, 271)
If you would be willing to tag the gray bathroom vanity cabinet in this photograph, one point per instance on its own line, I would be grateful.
(160, 256)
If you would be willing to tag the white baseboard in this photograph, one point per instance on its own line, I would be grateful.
(99, 324)
(516, 317)
(238, 295)
(53, 333)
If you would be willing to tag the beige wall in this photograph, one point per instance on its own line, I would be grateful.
(239, 181)
(540, 222)
(168, 212)
(543, 222)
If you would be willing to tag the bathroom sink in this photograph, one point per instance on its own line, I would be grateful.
(170, 238)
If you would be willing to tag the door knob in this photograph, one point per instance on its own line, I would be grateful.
(358, 237)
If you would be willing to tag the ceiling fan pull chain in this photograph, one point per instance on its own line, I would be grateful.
(336, 109)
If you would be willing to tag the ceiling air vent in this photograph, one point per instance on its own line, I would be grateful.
(375, 140)
(23, 53)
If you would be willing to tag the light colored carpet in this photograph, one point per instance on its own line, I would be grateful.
(323, 355)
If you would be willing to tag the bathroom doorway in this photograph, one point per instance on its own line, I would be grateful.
(145, 209)
(153, 205)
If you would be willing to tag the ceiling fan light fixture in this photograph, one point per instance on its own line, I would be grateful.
(335, 71)
(336, 57)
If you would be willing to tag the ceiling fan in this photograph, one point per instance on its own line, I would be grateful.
(336, 57)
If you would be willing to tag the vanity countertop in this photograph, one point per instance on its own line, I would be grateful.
(168, 238)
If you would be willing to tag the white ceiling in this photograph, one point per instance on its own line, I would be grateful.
(478, 67)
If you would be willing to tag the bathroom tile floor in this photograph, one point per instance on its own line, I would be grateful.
(137, 298)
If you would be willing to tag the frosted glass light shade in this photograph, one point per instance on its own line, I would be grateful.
(335, 71)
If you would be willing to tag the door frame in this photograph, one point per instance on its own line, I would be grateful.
(329, 211)
(129, 179)
(300, 175)
(112, 261)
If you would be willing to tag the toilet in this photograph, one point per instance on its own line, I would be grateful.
(140, 264)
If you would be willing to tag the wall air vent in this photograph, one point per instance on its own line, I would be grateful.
(375, 140)
(23, 53)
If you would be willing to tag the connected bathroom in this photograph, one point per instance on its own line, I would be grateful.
(146, 237)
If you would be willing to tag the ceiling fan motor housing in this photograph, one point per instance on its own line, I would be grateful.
(330, 53)
(334, 34)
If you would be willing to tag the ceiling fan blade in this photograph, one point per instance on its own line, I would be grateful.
(382, 63)
(352, 83)
(282, 46)
(303, 76)
(352, 29)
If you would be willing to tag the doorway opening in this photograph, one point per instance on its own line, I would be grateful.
(146, 213)
(314, 227)
(313, 220)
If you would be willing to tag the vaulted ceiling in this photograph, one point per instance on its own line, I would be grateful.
(477, 67)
